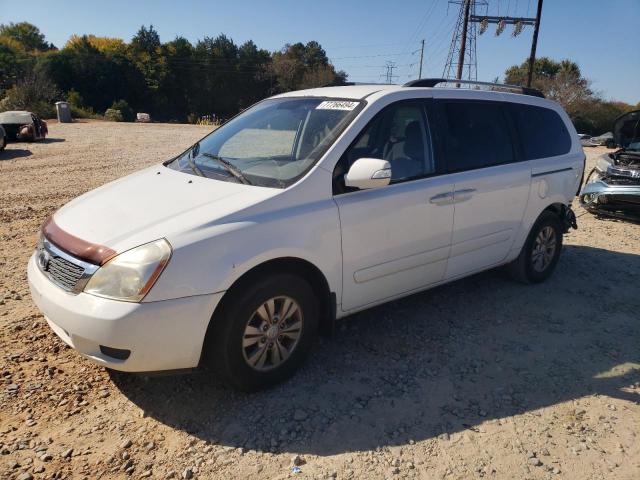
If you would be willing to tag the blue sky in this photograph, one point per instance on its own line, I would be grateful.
(361, 36)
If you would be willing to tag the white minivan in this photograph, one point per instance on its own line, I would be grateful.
(307, 207)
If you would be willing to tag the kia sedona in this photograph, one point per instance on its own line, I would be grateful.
(303, 209)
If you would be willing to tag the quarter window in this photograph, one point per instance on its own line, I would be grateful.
(476, 135)
(542, 131)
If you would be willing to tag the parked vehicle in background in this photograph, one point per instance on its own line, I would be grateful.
(3, 138)
(307, 207)
(585, 140)
(606, 140)
(23, 126)
(613, 186)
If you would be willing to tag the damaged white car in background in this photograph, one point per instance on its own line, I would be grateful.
(613, 186)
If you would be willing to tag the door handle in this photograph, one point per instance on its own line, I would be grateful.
(445, 198)
(463, 195)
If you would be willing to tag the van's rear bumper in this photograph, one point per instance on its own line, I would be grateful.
(162, 335)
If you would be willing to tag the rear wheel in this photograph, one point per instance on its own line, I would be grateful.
(263, 332)
(541, 251)
(3, 143)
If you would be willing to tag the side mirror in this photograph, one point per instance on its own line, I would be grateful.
(368, 173)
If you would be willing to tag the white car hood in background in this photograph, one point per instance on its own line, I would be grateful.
(154, 203)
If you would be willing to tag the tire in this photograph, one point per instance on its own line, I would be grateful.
(240, 334)
(3, 143)
(536, 264)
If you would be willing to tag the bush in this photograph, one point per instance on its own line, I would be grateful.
(35, 93)
(113, 115)
(77, 107)
(125, 110)
(83, 112)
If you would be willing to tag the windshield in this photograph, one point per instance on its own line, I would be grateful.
(272, 144)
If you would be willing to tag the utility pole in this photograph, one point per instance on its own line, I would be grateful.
(421, 57)
(534, 43)
(463, 40)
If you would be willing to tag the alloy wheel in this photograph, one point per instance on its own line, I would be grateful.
(544, 249)
(272, 333)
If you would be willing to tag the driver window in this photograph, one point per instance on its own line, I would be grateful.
(399, 135)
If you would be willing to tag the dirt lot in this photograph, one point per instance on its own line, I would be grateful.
(480, 378)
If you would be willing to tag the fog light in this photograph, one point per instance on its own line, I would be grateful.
(116, 353)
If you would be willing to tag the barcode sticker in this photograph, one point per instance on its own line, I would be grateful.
(336, 105)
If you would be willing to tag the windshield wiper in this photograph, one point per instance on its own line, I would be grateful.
(195, 168)
(192, 164)
(231, 168)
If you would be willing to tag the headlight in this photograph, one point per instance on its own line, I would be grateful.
(130, 275)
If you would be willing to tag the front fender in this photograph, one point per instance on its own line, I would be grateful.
(210, 259)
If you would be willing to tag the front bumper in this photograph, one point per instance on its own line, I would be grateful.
(600, 197)
(163, 335)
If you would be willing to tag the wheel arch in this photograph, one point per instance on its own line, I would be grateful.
(295, 265)
(557, 208)
(565, 215)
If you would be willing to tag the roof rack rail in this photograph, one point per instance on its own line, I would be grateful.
(359, 84)
(432, 82)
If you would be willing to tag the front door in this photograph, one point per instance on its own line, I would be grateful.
(395, 239)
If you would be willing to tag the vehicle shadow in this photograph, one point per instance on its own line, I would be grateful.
(11, 153)
(441, 361)
(52, 140)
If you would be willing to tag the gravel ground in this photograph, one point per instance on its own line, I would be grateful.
(480, 378)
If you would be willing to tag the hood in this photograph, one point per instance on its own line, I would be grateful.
(626, 129)
(157, 202)
(20, 117)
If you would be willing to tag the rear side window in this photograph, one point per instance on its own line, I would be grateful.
(476, 135)
(542, 131)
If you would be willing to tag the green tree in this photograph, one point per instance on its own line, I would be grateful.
(563, 82)
(99, 78)
(254, 77)
(146, 40)
(596, 116)
(178, 84)
(560, 81)
(14, 62)
(171, 81)
(304, 66)
(34, 92)
(216, 73)
(27, 35)
(147, 54)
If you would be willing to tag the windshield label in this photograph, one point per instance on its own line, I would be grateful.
(336, 105)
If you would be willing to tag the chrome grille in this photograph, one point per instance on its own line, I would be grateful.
(66, 271)
(63, 272)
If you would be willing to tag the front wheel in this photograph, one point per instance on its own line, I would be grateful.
(263, 332)
(541, 251)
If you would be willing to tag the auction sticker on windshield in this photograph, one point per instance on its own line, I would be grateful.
(336, 105)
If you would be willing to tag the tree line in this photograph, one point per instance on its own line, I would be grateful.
(181, 81)
(563, 82)
(172, 81)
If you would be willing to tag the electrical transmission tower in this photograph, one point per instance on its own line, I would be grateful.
(389, 76)
(461, 60)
